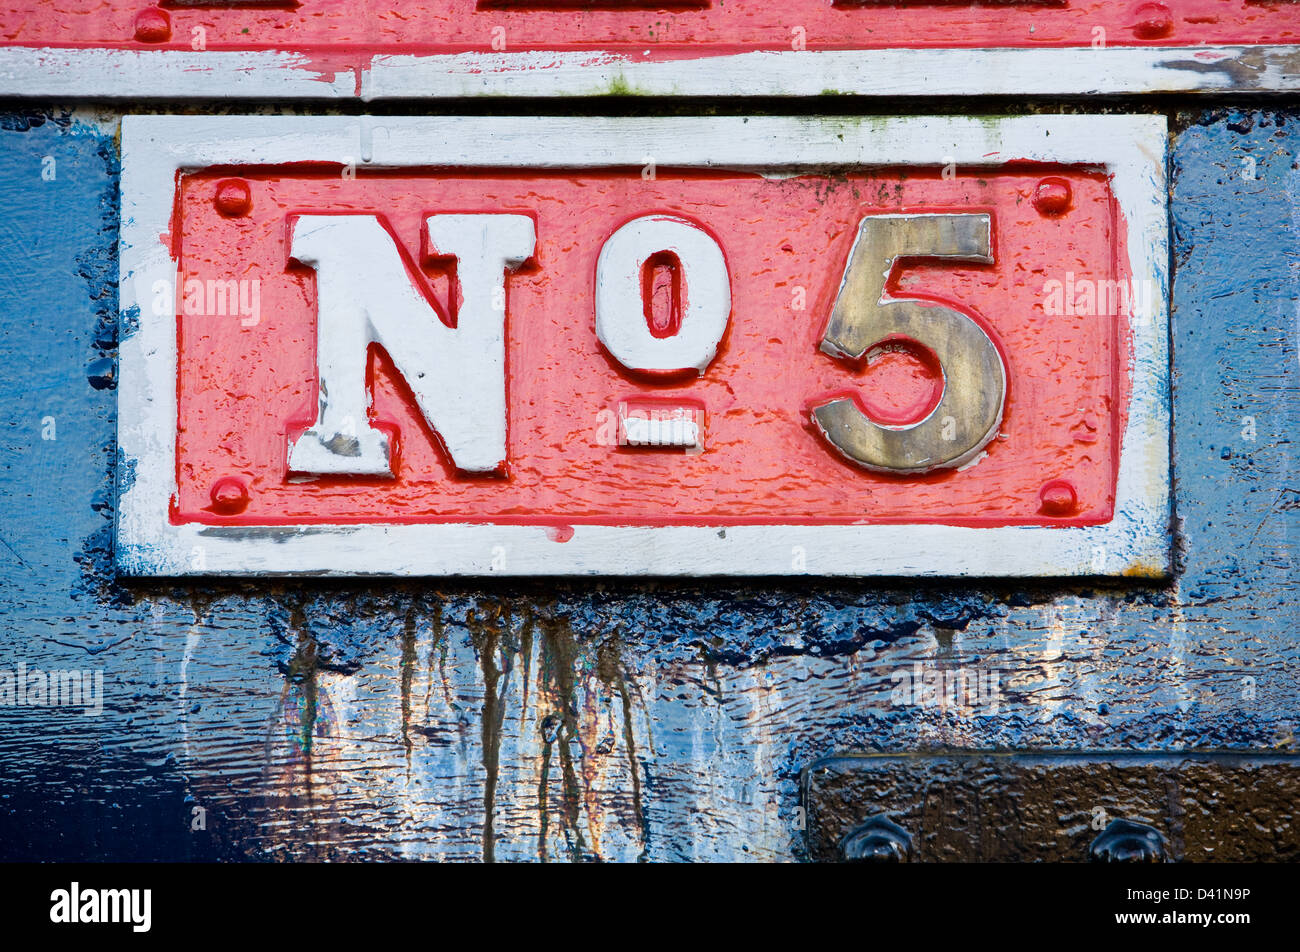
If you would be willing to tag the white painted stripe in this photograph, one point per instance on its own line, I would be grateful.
(98, 74)
(933, 72)
(173, 74)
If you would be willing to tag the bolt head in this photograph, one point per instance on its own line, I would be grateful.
(1058, 498)
(1052, 197)
(153, 26)
(1126, 841)
(1153, 20)
(229, 495)
(878, 840)
(234, 198)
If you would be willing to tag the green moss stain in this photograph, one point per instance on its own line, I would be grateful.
(619, 86)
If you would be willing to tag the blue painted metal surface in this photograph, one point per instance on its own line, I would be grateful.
(619, 720)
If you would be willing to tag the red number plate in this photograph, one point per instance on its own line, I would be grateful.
(564, 360)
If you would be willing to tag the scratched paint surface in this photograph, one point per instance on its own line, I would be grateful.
(581, 720)
(248, 384)
(713, 27)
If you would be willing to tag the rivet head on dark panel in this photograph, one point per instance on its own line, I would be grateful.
(1126, 841)
(878, 840)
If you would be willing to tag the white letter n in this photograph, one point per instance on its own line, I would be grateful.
(366, 294)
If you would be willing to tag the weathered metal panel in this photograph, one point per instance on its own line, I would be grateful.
(1010, 807)
(327, 719)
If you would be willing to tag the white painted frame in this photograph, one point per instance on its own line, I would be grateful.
(99, 74)
(154, 148)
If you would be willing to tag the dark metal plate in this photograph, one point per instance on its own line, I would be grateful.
(1012, 807)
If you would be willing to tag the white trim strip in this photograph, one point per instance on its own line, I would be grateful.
(154, 148)
(97, 74)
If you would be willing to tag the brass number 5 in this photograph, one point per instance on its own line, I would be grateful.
(974, 379)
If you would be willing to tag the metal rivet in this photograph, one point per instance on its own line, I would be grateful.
(1058, 498)
(153, 26)
(878, 840)
(1052, 196)
(234, 198)
(102, 373)
(1153, 21)
(229, 495)
(1126, 841)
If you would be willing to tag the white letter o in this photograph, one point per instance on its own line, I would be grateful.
(620, 311)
